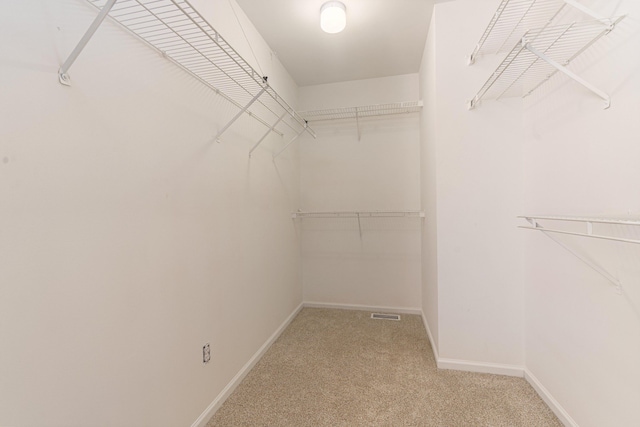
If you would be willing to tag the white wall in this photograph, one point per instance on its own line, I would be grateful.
(380, 172)
(478, 189)
(582, 338)
(428, 186)
(128, 238)
(559, 153)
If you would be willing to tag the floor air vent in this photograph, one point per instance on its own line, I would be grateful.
(385, 316)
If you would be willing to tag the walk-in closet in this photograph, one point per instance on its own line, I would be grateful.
(319, 213)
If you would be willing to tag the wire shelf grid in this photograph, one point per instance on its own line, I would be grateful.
(511, 20)
(362, 111)
(181, 34)
(523, 71)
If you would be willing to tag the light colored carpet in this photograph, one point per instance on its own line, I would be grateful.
(342, 368)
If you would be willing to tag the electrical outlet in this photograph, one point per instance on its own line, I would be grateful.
(206, 353)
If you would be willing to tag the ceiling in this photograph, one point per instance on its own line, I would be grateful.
(382, 38)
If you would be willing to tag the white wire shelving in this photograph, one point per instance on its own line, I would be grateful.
(588, 222)
(534, 224)
(538, 54)
(361, 112)
(176, 30)
(511, 20)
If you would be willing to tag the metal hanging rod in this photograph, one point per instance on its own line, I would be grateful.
(362, 111)
(359, 214)
(540, 55)
(176, 30)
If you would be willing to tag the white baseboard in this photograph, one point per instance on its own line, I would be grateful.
(395, 310)
(226, 392)
(434, 348)
(557, 409)
(481, 367)
(453, 364)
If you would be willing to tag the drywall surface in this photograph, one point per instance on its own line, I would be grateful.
(478, 193)
(376, 263)
(429, 185)
(128, 238)
(583, 338)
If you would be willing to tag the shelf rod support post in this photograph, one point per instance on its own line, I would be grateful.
(241, 112)
(63, 77)
(569, 73)
(267, 133)
(581, 257)
(291, 142)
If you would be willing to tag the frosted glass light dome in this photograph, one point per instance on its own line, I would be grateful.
(333, 17)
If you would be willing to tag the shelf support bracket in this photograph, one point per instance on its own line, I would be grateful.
(241, 112)
(358, 124)
(569, 73)
(63, 77)
(268, 132)
(359, 226)
(292, 140)
(581, 257)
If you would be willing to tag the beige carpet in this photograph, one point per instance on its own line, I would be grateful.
(341, 368)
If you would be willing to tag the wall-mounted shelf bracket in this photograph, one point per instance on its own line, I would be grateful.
(567, 72)
(242, 111)
(63, 75)
(535, 225)
(267, 133)
(291, 142)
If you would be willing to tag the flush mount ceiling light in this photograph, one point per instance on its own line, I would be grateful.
(333, 17)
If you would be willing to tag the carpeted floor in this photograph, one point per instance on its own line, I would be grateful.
(342, 368)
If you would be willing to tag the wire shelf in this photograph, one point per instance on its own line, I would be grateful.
(533, 220)
(180, 33)
(540, 55)
(615, 221)
(512, 19)
(362, 111)
(609, 228)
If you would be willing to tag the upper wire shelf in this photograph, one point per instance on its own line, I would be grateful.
(542, 53)
(362, 111)
(181, 34)
(511, 20)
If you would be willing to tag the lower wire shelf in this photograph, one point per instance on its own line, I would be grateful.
(622, 224)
